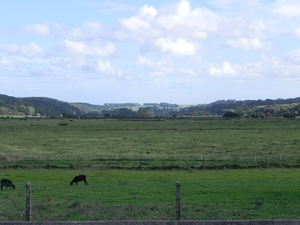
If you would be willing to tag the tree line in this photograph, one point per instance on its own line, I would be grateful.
(40, 106)
(228, 108)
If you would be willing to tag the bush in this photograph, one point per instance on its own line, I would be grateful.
(289, 115)
(231, 114)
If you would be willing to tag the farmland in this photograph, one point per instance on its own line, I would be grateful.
(170, 140)
(139, 189)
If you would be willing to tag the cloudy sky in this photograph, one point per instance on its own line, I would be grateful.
(175, 51)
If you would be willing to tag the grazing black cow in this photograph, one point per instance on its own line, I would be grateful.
(79, 178)
(7, 183)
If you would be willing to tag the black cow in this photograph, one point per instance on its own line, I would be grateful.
(7, 183)
(79, 178)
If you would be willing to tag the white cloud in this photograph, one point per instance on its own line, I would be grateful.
(183, 8)
(287, 8)
(141, 21)
(241, 34)
(105, 67)
(225, 70)
(88, 30)
(248, 71)
(268, 68)
(102, 67)
(177, 47)
(147, 12)
(276, 68)
(296, 31)
(156, 68)
(135, 24)
(31, 50)
(195, 23)
(246, 43)
(6, 63)
(38, 29)
(145, 61)
(175, 30)
(165, 64)
(91, 50)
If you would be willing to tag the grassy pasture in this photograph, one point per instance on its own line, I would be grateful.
(150, 194)
(185, 139)
(144, 195)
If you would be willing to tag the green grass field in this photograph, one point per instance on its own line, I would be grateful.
(163, 142)
(148, 193)
(117, 194)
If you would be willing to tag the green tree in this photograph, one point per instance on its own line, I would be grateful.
(146, 111)
(231, 114)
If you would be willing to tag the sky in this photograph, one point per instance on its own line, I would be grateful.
(174, 51)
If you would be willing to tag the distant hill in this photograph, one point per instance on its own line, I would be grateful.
(42, 106)
(35, 105)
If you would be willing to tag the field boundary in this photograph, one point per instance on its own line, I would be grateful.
(187, 222)
(166, 162)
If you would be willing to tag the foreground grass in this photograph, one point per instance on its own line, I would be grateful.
(124, 194)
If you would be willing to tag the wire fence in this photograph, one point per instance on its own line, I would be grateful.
(123, 161)
(209, 200)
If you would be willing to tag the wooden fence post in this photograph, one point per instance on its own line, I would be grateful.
(178, 201)
(28, 201)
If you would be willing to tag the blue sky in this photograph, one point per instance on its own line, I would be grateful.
(176, 51)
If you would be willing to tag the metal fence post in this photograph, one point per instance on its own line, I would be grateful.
(178, 201)
(28, 201)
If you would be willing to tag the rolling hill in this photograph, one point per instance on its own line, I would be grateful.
(48, 107)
